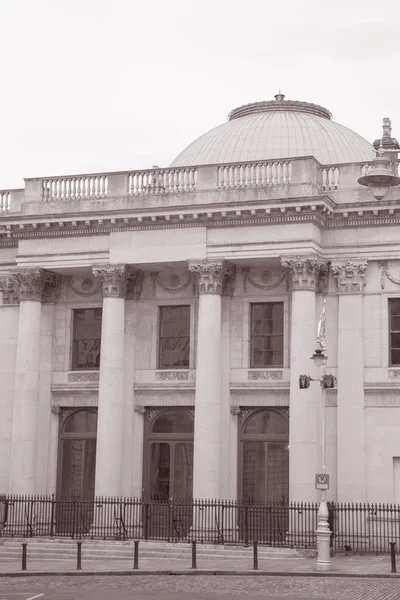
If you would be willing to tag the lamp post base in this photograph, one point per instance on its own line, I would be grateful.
(323, 539)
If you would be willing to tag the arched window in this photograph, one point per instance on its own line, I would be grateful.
(264, 456)
(169, 454)
(77, 453)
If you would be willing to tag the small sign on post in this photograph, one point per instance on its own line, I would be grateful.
(322, 481)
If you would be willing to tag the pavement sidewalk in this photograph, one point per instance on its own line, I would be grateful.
(350, 566)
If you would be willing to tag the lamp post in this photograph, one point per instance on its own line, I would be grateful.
(323, 532)
(322, 479)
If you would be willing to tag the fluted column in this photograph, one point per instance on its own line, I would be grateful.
(303, 274)
(350, 279)
(208, 277)
(110, 424)
(30, 287)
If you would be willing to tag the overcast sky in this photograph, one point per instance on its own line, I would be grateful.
(108, 85)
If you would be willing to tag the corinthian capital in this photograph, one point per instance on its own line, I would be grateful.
(350, 276)
(208, 276)
(304, 272)
(120, 281)
(31, 284)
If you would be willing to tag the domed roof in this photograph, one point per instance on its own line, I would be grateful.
(277, 129)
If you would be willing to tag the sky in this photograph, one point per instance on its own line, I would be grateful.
(114, 85)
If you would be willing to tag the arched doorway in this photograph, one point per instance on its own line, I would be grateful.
(168, 471)
(264, 473)
(76, 469)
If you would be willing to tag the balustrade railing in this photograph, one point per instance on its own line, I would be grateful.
(5, 201)
(254, 174)
(330, 178)
(163, 181)
(75, 188)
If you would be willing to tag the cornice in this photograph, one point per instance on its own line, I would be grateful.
(322, 211)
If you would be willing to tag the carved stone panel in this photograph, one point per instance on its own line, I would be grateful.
(350, 276)
(264, 375)
(172, 375)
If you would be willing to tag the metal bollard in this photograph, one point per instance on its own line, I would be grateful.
(24, 552)
(255, 556)
(79, 556)
(136, 555)
(194, 557)
(393, 556)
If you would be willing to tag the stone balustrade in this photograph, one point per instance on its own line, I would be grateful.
(74, 187)
(254, 174)
(305, 176)
(163, 181)
(5, 201)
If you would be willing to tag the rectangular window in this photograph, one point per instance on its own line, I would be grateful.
(174, 337)
(86, 338)
(394, 331)
(266, 335)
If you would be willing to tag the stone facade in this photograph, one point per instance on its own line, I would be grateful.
(218, 248)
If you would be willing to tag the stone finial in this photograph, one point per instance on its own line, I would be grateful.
(304, 272)
(208, 276)
(387, 127)
(31, 284)
(350, 276)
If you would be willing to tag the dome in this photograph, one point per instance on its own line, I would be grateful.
(277, 129)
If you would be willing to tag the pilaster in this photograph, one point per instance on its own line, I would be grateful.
(350, 277)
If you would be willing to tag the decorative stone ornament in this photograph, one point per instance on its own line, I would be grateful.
(208, 276)
(304, 272)
(120, 281)
(229, 279)
(31, 284)
(350, 276)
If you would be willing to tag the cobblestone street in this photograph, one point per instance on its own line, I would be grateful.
(198, 588)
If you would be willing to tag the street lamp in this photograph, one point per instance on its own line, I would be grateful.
(322, 479)
(380, 177)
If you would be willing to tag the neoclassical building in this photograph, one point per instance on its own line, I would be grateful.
(154, 324)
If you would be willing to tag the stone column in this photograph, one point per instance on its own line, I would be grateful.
(350, 279)
(208, 277)
(31, 287)
(118, 281)
(303, 274)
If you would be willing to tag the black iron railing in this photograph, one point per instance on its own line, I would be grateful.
(356, 528)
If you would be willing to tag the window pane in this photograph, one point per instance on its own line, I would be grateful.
(277, 472)
(394, 306)
(160, 470)
(83, 421)
(266, 334)
(86, 338)
(395, 357)
(395, 340)
(183, 470)
(254, 471)
(174, 337)
(266, 422)
(395, 324)
(173, 422)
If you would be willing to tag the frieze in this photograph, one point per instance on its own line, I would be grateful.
(264, 375)
(304, 272)
(83, 377)
(86, 286)
(172, 375)
(173, 285)
(269, 280)
(350, 276)
(386, 274)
